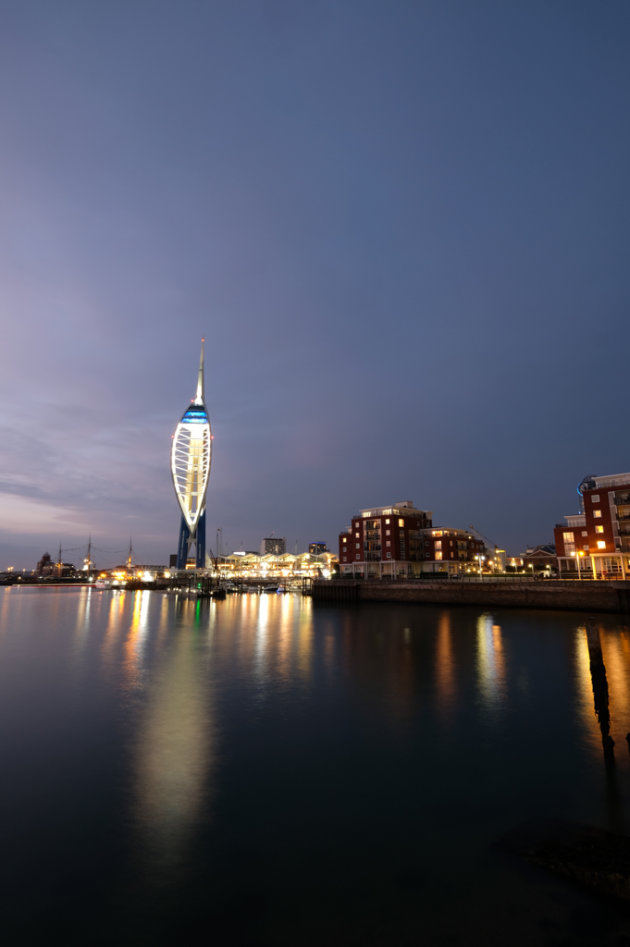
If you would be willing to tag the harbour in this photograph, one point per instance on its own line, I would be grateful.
(270, 769)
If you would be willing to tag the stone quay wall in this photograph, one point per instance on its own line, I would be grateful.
(574, 595)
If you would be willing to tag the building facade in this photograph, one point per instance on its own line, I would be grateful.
(596, 542)
(273, 546)
(454, 551)
(384, 541)
(400, 541)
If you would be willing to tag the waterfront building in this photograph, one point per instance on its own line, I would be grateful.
(541, 559)
(458, 550)
(191, 455)
(282, 568)
(400, 541)
(273, 545)
(316, 549)
(596, 542)
(384, 541)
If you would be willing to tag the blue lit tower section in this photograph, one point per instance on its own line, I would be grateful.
(191, 454)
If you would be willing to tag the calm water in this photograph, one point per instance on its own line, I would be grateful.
(265, 771)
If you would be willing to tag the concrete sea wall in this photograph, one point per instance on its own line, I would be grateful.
(570, 596)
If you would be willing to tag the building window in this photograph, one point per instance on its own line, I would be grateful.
(401, 523)
(387, 531)
(599, 529)
(597, 514)
(357, 545)
(438, 543)
(438, 555)
(389, 555)
(584, 532)
(345, 539)
(601, 543)
(568, 537)
(388, 542)
(358, 556)
(387, 522)
(595, 498)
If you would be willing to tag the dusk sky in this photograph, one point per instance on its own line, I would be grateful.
(402, 227)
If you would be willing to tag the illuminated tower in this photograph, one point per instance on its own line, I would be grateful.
(191, 454)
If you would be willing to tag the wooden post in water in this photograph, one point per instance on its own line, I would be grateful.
(600, 689)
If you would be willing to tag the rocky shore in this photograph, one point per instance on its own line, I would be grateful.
(592, 857)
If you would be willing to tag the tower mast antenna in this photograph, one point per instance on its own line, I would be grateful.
(200, 397)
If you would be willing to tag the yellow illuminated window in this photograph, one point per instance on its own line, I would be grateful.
(597, 514)
(568, 537)
(401, 522)
(599, 529)
(601, 543)
(438, 555)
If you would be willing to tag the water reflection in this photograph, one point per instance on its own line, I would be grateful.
(600, 690)
(596, 697)
(445, 666)
(174, 753)
(490, 663)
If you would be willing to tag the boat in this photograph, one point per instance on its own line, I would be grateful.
(219, 594)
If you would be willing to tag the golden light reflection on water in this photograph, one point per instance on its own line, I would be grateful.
(445, 666)
(615, 654)
(136, 639)
(490, 662)
(173, 756)
(585, 705)
(274, 640)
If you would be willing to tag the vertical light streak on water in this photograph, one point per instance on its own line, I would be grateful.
(302, 622)
(5, 598)
(173, 757)
(113, 629)
(82, 625)
(490, 665)
(591, 734)
(616, 652)
(445, 668)
(132, 663)
(261, 656)
(163, 624)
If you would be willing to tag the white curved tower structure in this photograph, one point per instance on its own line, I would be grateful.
(191, 456)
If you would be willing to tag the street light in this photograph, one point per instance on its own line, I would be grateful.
(578, 555)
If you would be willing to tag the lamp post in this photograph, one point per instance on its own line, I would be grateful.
(578, 554)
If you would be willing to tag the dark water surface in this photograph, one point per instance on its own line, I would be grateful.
(265, 771)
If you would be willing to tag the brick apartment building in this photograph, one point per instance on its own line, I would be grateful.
(400, 541)
(596, 542)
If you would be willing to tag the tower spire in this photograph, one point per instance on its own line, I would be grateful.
(200, 395)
